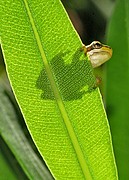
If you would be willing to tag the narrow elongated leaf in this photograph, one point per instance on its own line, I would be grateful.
(118, 86)
(53, 83)
(5, 170)
(12, 134)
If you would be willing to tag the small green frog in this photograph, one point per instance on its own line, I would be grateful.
(98, 53)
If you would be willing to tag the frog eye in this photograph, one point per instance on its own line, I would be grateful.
(96, 45)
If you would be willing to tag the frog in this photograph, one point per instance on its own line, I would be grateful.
(98, 53)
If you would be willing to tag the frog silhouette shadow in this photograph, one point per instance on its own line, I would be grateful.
(71, 78)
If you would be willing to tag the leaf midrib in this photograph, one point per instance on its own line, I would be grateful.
(59, 101)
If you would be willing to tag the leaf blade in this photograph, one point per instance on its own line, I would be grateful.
(59, 101)
(117, 85)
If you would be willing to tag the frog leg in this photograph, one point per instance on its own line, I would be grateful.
(98, 82)
(84, 49)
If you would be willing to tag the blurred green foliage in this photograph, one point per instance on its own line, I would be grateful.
(117, 86)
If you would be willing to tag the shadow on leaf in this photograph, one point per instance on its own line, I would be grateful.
(73, 80)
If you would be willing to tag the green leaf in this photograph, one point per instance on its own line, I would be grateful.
(118, 87)
(5, 170)
(53, 83)
(13, 135)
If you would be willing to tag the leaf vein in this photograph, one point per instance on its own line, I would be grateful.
(72, 135)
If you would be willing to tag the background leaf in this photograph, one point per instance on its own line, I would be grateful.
(13, 135)
(5, 171)
(53, 83)
(118, 86)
